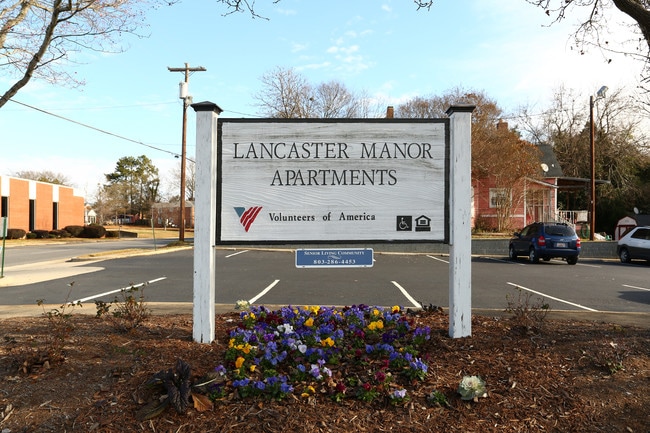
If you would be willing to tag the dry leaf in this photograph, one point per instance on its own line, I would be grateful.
(202, 402)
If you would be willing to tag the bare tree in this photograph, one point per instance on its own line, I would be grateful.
(287, 94)
(38, 36)
(333, 100)
(190, 180)
(248, 6)
(594, 29)
(621, 149)
(44, 176)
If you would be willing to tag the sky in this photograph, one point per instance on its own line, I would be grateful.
(385, 48)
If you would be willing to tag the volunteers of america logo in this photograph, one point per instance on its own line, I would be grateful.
(247, 216)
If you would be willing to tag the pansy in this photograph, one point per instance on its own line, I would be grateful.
(324, 347)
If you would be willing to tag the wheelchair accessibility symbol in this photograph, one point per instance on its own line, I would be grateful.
(405, 223)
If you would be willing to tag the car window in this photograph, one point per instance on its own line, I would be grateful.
(641, 234)
(559, 230)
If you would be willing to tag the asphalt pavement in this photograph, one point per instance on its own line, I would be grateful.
(56, 269)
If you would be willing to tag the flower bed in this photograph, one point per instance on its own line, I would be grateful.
(358, 352)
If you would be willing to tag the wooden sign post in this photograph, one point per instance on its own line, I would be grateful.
(332, 181)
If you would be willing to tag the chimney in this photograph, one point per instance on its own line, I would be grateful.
(502, 125)
(390, 112)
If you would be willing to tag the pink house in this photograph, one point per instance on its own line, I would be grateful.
(531, 199)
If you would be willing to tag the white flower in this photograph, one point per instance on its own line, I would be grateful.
(285, 328)
(472, 387)
(242, 304)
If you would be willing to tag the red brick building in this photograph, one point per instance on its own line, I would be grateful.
(31, 205)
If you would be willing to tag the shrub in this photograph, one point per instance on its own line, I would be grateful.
(16, 233)
(527, 314)
(112, 234)
(74, 231)
(93, 231)
(59, 234)
(129, 313)
(41, 234)
(30, 235)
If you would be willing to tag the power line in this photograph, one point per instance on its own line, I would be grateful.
(112, 134)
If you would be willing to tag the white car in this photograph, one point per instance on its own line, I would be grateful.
(634, 245)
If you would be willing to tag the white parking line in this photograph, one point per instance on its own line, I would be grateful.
(406, 294)
(635, 287)
(552, 297)
(78, 301)
(589, 266)
(236, 254)
(505, 261)
(438, 259)
(263, 292)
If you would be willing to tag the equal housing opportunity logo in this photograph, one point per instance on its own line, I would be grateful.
(247, 216)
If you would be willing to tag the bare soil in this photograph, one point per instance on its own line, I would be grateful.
(566, 377)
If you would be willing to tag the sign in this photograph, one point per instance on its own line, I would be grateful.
(335, 258)
(327, 181)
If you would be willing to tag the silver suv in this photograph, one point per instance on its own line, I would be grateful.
(634, 245)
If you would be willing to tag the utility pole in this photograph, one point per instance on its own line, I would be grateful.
(187, 100)
(592, 150)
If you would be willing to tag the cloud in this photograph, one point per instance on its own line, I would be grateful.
(286, 12)
(297, 47)
(314, 66)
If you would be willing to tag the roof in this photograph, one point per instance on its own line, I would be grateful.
(642, 220)
(548, 158)
(555, 171)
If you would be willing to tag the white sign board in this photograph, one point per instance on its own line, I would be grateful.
(301, 180)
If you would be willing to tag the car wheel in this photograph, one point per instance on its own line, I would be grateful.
(572, 260)
(511, 253)
(532, 256)
(547, 259)
(624, 255)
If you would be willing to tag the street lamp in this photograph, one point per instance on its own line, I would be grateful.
(592, 193)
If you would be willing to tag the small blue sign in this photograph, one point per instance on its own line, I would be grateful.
(335, 258)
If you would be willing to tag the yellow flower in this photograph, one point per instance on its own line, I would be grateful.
(309, 322)
(315, 309)
(239, 362)
(252, 368)
(375, 312)
(396, 309)
(327, 342)
(231, 343)
(377, 324)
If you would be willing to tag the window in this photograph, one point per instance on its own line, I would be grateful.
(641, 234)
(32, 215)
(4, 206)
(55, 216)
(559, 230)
(499, 197)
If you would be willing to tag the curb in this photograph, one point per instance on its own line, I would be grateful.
(638, 320)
